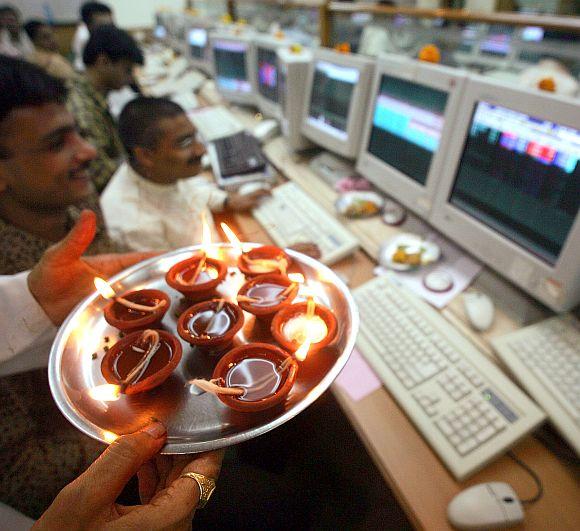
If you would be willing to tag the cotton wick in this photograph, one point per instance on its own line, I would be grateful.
(198, 270)
(152, 338)
(141, 307)
(218, 309)
(212, 386)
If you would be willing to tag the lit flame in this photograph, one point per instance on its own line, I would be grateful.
(104, 288)
(105, 393)
(109, 436)
(231, 236)
(314, 330)
(310, 308)
(296, 277)
(302, 352)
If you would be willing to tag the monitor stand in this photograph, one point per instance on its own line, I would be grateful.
(331, 168)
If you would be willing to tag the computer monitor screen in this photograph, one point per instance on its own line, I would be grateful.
(406, 128)
(532, 34)
(268, 73)
(520, 176)
(160, 32)
(497, 43)
(197, 38)
(230, 66)
(332, 91)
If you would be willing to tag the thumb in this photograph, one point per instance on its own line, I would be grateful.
(76, 241)
(107, 476)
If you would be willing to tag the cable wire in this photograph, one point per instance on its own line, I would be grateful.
(534, 476)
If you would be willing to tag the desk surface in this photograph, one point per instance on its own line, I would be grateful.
(421, 483)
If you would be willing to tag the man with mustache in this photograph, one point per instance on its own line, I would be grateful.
(43, 167)
(156, 199)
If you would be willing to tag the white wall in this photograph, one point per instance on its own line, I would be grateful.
(140, 13)
(128, 13)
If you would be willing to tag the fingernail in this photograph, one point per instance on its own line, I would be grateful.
(155, 430)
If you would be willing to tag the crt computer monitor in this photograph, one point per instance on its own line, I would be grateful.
(233, 61)
(197, 38)
(336, 100)
(406, 133)
(267, 82)
(161, 28)
(511, 190)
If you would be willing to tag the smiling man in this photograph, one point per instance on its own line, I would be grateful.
(43, 167)
(155, 200)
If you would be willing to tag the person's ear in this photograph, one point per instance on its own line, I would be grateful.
(144, 156)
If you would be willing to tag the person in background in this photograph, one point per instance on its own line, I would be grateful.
(13, 40)
(155, 200)
(44, 163)
(110, 56)
(31, 306)
(93, 14)
(46, 54)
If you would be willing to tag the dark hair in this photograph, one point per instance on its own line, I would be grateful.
(113, 42)
(6, 8)
(89, 9)
(32, 27)
(139, 119)
(23, 84)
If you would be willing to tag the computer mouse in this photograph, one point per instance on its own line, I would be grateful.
(250, 188)
(492, 505)
(479, 310)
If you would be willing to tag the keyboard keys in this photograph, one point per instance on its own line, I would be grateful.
(291, 216)
(445, 385)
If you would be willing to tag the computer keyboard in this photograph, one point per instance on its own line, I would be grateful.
(215, 122)
(291, 216)
(545, 359)
(239, 154)
(463, 405)
(188, 82)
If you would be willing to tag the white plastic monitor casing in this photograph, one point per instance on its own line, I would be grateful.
(557, 285)
(245, 98)
(266, 105)
(401, 187)
(349, 147)
(294, 67)
(204, 63)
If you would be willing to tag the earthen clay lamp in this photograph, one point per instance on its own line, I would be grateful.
(141, 360)
(211, 325)
(264, 373)
(293, 324)
(197, 277)
(263, 260)
(265, 295)
(137, 310)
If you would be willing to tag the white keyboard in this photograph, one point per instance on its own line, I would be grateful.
(545, 358)
(463, 405)
(291, 216)
(215, 122)
(191, 81)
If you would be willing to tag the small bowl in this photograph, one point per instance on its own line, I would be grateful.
(263, 351)
(128, 320)
(287, 313)
(265, 252)
(215, 342)
(154, 375)
(198, 291)
(266, 312)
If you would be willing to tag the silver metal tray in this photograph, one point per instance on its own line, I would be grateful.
(195, 422)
